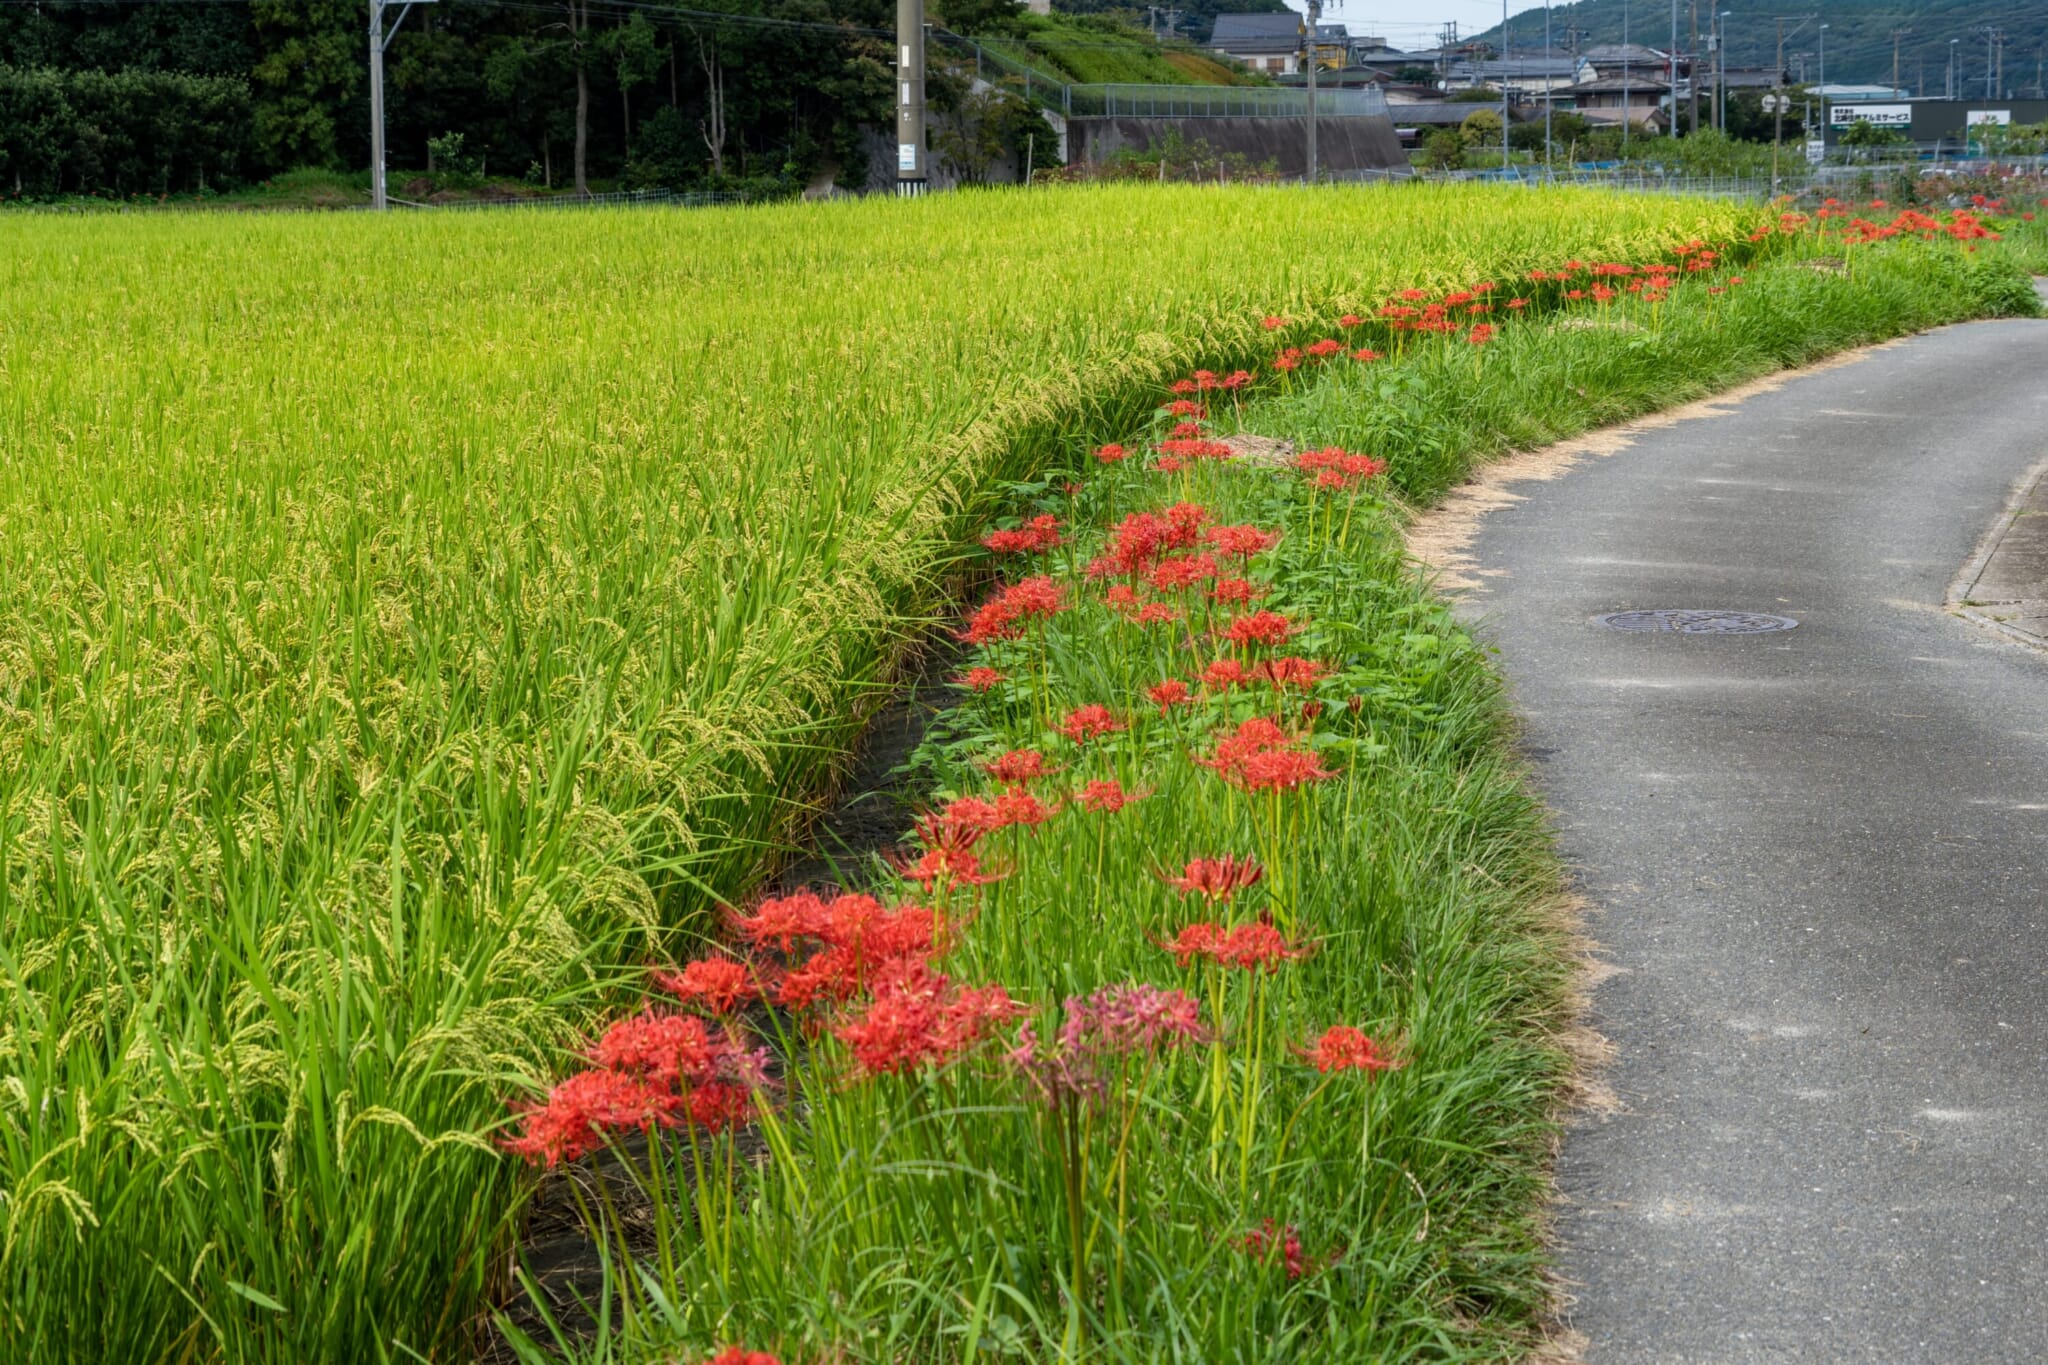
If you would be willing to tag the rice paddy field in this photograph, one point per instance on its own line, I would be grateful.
(416, 627)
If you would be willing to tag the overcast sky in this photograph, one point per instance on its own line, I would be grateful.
(1414, 23)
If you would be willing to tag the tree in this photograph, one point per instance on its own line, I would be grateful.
(1481, 128)
(1443, 150)
(308, 65)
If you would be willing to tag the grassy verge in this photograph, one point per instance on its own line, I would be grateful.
(1153, 1176)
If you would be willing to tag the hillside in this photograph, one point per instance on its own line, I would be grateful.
(1859, 38)
(1091, 49)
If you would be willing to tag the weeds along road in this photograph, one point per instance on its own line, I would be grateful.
(1817, 857)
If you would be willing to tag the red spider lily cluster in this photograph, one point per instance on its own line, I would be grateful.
(1343, 1048)
(1217, 879)
(740, 1355)
(1100, 1032)
(1035, 537)
(1256, 946)
(1272, 1242)
(1004, 616)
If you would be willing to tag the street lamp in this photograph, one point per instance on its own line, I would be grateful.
(1823, 63)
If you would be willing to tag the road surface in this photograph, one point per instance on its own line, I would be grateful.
(1818, 858)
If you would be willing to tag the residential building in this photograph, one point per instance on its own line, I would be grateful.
(1271, 43)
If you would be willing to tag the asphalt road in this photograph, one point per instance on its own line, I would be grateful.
(1818, 858)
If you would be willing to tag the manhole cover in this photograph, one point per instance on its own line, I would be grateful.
(1697, 622)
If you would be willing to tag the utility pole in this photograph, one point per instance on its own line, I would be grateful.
(1315, 19)
(1991, 38)
(911, 173)
(1897, 34)
(1671, 72)
(1692, 69)
(1626, 117)
(380, 38)
(1550, 84)
(1948, 83)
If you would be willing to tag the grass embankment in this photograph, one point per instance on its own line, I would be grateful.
(1203, 1190)
(409, 622)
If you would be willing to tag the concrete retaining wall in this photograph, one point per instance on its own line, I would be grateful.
(1342, 144)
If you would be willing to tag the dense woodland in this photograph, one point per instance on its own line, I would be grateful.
(169, 97)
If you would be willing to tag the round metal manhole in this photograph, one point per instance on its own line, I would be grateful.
(1696, 622)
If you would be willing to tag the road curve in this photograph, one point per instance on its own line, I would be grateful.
(1818, 859)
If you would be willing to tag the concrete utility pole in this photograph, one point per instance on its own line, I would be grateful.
(380, 38)
(1550, 84)
(1692, 78)
(1315, 19)
(1948, 85)
(911, 177)
(1721, 78)
(1671, 69)
(1897, 34)
(1505, 48)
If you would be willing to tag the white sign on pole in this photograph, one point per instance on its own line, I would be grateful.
(1816, 151)
(906, 156)
(1877, 115)
(1977, 118)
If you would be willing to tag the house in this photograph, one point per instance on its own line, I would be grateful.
(1263, 42)
(1524, 77)
(1635, 97)
(1333, 47)
(1624, 59)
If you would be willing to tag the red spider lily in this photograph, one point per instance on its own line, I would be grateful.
(1351, 320)
(1291, 671)
(1480, 335)
(1272, 324)
(1266, 1239)
(1414, 295)
(572, 1121)
(1324, 349)
(1167, 695)
(1141, 539)
(1217, 879)
(718, 984)
(1001, 616)
(1088, 722)
(1106, 796)
(1168, 464)
(1365, 353)
(1602, 293)
(969, 813)
(1111, 453)
(1099, 1029)
(1237, 379)
(1343, 1048)
(1288, 360)
(1242, 541)
(1121, 597)
(672, 1050)
(1184, 407)
(1154, 613)
(783, 920)
(1182, 572)
(1249, 947)
(1019, 807)
(1260, 757)
(1278, 770)
(1190, 446)
(740, 1355)
(1260, 628)
(943, 867)
(1195, 941)
(922, 1019)
(1018, 765)
(830, 975)
(1337, 468)
(981, 679)
(1224, 673)
(1186, 430)
(1037, 536)
(719, 1106)
(1233, 592)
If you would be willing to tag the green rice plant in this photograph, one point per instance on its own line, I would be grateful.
(415, 623)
